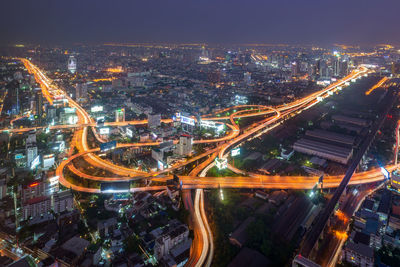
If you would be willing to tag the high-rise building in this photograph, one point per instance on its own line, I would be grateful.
(120, 115)
(72, 64)
(81, 91)
(184, 147)
(38, 105)
(295, 68)
(395, 69)
(247, 78)
(31, 149)
(31, 154)
(336, 66)
(154, 120)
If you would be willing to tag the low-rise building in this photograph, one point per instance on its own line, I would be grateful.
(358, 254)
(176, 233)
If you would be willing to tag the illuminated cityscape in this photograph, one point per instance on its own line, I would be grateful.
(195, 150)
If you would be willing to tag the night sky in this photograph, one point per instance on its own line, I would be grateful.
(213, 21)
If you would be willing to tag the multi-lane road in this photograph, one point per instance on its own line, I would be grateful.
(271, 117)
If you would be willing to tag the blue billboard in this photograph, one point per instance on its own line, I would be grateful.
(108, 146)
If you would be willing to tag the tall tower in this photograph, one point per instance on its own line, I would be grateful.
(120, 115)
(295, 68)
(81, 91)
(72, 64)
(39, 105)
(336, 66)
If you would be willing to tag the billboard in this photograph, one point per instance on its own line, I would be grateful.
(221, 163)
(108, 146)
(48, 161)
(160, 165)
(69, 110)
(115, 187)
(235, 152)
(96, 109)
(187, 120)
(104, 131)
(209, 124)
(129, 132)
(385, 173)
(35, 162)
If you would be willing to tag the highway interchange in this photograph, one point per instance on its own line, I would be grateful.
(202, 250)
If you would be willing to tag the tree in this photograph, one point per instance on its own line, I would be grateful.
(131, 244)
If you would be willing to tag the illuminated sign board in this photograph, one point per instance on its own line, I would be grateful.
(35, 162)
(34, 184)
(96, 109)
(53, 180)
(60, 146)
(221, 163)
(69, 110)
(73, 119)
(19, 156)
(108, 146)
(104, 130)
(385, 173)
(115, 187)
(129, 132)
(48, 161)
(235, 152)
(187, 120)
(210, 124)
(160, 165)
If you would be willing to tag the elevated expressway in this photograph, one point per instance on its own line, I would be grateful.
(224, 144)
(201, 253)
(235, 137)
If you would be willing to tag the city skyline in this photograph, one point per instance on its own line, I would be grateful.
(199, 133)
(311, 22)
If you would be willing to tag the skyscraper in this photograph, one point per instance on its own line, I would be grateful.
(336, 66)
(72, 64)
(247, 78)
(120, 115)
(295, 68)
(81, 91)
(184, 147)
(38, 105)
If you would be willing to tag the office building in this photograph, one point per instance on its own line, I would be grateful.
(38, 105)
(72, 64)
(3, 188)
(184, 147)
(154, 120)
(247, 78)
(295, 68)
(395, 68)
(31, 154)
(39, 207)
(358, 254)
(81, 92)
(120, 115)
(176, 233)
(395, 179)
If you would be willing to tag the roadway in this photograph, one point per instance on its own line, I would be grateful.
(288, 109)
(123, 173)
(203, 246)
